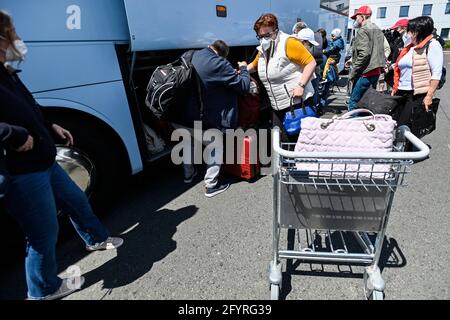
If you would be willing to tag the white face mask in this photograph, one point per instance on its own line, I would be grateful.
(12, 55)
(356, 25)
(406, 40)
(265, 43)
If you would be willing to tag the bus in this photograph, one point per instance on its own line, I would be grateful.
(89, 62)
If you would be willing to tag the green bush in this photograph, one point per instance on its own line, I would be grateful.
(447, 44)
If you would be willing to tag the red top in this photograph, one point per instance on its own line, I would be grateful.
(371, 73)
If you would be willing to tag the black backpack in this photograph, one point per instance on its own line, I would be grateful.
(169, 86)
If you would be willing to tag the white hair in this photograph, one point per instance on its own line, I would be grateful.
(336, 32)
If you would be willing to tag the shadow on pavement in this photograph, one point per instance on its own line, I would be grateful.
(149, 239)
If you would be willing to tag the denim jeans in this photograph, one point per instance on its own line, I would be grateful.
(360, 86)
(33, 199)
(315, 84)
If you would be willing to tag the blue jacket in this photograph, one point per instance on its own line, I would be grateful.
(335, 47)
(220, 85)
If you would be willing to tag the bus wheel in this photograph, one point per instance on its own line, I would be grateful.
(95, 162)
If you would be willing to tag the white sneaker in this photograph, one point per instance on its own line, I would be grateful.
(108, 244)
(68, 286)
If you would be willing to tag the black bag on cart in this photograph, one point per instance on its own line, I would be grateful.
(379, 103)
(169, 86)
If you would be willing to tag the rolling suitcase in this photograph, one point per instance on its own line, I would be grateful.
(249, 105)
(245, 170)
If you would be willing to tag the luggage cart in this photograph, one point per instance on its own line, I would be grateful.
(339, 207)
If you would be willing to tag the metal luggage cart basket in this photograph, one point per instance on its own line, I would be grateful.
(343, 196)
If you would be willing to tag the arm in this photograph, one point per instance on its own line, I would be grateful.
(387, 48)
(362, 57)
(13, 137)
(298, 54)
(330, 50)
(238, 81)
(253, 66)
(436, 62)
(335, 48)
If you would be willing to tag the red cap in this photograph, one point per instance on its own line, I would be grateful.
(400, 23)
(365, 10)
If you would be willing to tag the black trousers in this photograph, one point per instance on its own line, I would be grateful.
(404, 114)
(411, 104)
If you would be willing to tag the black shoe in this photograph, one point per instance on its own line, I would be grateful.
(191, 178)
(214, 191)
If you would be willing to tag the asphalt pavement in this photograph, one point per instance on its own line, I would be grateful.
(181, 245)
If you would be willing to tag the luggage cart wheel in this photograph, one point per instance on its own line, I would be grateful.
(274, 292)
(376, 295)
(373, 283)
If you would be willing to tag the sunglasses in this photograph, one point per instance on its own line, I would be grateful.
(266, 36)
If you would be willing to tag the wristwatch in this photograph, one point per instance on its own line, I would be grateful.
(302, 85)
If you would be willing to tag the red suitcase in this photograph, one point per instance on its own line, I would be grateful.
(244, 170)
(249, 105)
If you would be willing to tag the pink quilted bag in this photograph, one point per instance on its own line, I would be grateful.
(347, 134)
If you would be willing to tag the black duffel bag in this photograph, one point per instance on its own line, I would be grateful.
(379, 102)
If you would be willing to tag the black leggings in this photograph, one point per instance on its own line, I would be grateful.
(411, 103)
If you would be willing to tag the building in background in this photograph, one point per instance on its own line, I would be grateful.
(386, 13)
(334, 14)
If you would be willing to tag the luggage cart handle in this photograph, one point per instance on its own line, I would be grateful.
(422, 153)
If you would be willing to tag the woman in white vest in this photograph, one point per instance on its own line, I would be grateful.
(418, 71)
(284, 66)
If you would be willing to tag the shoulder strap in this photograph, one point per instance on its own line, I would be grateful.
(199, 94)
(187, 58)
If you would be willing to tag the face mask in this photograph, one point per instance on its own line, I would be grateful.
(406, 40)
(12, 55)
(356, 25)
(265, 43)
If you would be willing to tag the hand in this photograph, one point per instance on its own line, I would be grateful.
(242, 64)
(428, 101)
(63, 134)
(298, 92)
(348, 64)
(27, 146)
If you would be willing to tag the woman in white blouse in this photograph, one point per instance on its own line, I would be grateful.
(418, 70)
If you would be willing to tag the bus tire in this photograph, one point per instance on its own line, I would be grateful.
(93, 146)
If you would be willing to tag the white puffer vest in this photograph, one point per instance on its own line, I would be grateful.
(280, 72)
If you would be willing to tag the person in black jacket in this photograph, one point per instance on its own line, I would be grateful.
(38, 185)
(220, 85)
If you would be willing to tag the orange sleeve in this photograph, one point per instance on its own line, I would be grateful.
(255, 61)
(297, 53)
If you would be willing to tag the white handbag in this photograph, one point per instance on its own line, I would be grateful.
(375, 133)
